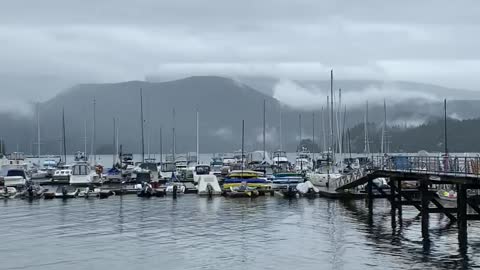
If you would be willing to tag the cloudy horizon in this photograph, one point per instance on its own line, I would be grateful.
(52, 45)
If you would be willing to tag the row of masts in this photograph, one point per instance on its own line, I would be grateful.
(337, 123)
(335, 144)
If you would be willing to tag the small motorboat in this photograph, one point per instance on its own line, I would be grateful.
(62, 175)
(307, 189)
(242, 191)
(32, 192)
(93, 192)
(39, 174)
(208, 185)
(450, 196)
(288, 193)
(146, 191)
(175, 188)
(8, 192)
(16, 178)
(66, 192)
(114, 175)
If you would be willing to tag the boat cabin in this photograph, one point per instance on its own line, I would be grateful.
(168, 167)
(80, 169)
(202, 169)
(151, 166)
(17, 172)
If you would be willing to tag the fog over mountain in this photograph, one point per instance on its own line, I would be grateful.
(412, 54)
(223, 103)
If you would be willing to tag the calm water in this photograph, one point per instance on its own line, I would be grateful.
(222, 233)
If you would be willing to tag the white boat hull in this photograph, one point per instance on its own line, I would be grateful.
(208, 185)
(321, 179)
(14, 181)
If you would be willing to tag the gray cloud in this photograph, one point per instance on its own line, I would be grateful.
(49, 45)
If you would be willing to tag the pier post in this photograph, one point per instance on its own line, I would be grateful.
(462, 212)
(370, 195)
(425, 194)
(399, 196)
(392, 194)
(392, 201)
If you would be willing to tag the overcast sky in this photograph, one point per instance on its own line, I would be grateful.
(48, 45)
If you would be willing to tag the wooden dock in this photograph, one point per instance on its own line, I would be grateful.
(426, 173)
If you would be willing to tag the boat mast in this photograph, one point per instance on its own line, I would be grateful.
(280, 128)
(331, 116)
(94, 150)
(173, 135)
(161, 146)
(38, 132)
(300, 130)
(349, 144)
(64, 138)
(313, 136)
(85, 137)
(117, 144)
(243, 142)
(142, 124)
(445, 125)
(367, 144)
(198, 137)
(383, 147)
(324, 135)
(339, 123)
(114, 143)
(264, 123)
(147, 127)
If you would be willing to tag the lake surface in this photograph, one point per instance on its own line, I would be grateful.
(223, 233)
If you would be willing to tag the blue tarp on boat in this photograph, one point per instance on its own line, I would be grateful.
(401, 162)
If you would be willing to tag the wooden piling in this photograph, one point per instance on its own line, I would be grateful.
(399, 196)
(425, 194)
(370, 195)
(462, 211)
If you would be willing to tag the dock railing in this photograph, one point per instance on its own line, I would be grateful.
(455, 166)
(439, 165)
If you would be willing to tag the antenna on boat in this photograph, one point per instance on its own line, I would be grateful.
(264, 123)
(64, 138)
(445, 125)
(141, 120)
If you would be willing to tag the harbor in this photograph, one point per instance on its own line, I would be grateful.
(283, 135)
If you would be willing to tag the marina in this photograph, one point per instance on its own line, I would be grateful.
(283, 135)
